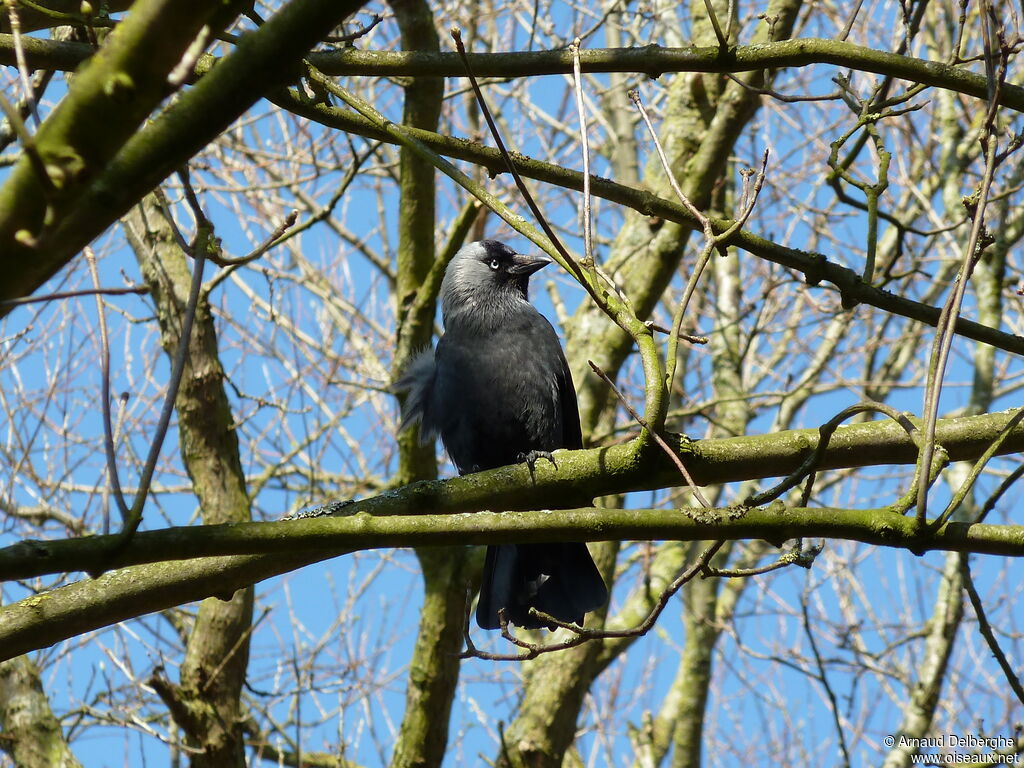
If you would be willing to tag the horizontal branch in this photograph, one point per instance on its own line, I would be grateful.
(579, 474)
(42, 620)
(124, 177)
(652, 60)
(40, 53)
(331, 536)
(49, 14)
(815, 267)
(656, 60)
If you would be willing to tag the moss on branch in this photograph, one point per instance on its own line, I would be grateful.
(431, 513)
(43, 619)
(652, 60)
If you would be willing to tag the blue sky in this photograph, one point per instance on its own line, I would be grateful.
(357, 691)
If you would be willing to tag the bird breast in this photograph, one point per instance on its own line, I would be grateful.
(496, 393)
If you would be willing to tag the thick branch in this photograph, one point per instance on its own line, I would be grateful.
(32, 20)
(105, 105)
(68, 611)
(652, 60)
(599, 472)
(655, 60)
(45, 619)
(259, 61)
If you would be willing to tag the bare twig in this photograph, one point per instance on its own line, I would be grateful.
(137, 289)
(997, 494)
(975, 473)
(684, 336)
(986, 631)
(520, 184)
(785, 98)
(108, 429)
(132, 516)
(704, 221)
(242, 639)
(802, 558)
(362, 31)
(28, 145)
(588, 238)
(723, 42)
(712, 241)
(268, 242)
(822, 677)
(825, 432)
(19, 57)
(951, 310)
(659, 440)
(845, 33)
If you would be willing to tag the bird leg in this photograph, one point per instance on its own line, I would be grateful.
(532, 457)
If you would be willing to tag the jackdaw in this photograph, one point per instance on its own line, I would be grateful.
(498, 391)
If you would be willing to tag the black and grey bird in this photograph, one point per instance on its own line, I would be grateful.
(498, 391)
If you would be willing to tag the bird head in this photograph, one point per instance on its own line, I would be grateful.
(486, 280)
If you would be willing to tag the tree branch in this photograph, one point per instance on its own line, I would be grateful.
(652, 60)
(816, 267)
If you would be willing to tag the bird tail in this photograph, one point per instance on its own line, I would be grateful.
(417, 382)
(560, 580)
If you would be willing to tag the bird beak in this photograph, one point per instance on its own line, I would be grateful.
(525, 264)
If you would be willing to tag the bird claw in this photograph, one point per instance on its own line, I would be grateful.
(531, 458)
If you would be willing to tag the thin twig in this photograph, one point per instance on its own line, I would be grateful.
(951, 311)
(28, 145)
(520, 184)
(242, 638)
(979, 465)
(671, 353)
(823, 679)
(684, 336)
(201, 244)
(704, 221)
(825, 432)
(138, 289)
(19, 56)
(801, 558)
(268, 242)
(588, 239)
(712, 241)
(351, 37)
(747, 200)
(108, 429)
(997, 494)
(723, 43)
(659, 440)
(845, 33)
(771, 92)
(986, 631)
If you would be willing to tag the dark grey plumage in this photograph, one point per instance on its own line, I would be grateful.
(497, 388)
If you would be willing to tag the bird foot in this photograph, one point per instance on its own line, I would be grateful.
(532, 457)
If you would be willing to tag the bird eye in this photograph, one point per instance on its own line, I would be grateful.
(494, 263)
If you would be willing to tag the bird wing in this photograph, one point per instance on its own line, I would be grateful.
(572, 434)
(417, 382)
